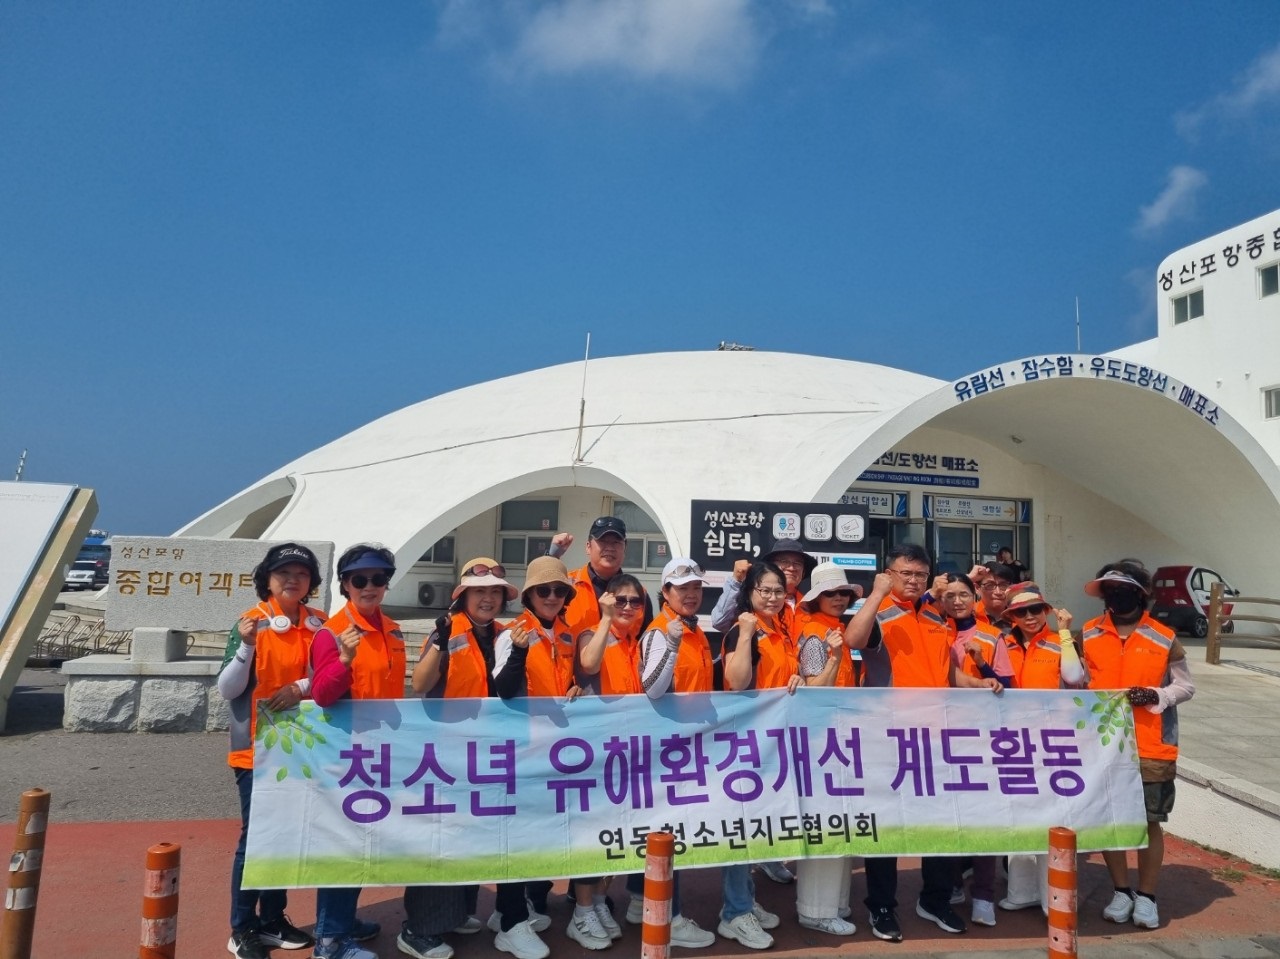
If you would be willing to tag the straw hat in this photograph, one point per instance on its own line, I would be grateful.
(547, 569)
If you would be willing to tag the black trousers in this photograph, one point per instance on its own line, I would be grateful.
(937, 872)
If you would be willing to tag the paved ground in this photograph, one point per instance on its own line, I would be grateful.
(114, 795)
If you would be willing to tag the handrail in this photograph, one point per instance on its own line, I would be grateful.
(1215, 639)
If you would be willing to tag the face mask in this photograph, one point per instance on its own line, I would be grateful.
(1123, 603)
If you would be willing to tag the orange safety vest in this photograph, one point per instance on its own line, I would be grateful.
(918, 643)
(693, 670)
(620, 667)
(988, 636)
(582, 614)
(779, 655)
(548, 667)
(1039, 664)
(1140, 660)
(278, 660)
(467, 677)
(377, 671)
(818, 625)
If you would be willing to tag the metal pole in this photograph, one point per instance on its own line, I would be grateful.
(655, 934)
(19, 920)
(1062, 893)
(160, 902)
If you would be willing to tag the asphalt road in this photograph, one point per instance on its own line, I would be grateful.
(108, 776)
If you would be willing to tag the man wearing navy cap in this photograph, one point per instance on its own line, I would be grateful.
(606, 548)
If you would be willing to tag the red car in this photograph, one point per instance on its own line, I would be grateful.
(1181, 599)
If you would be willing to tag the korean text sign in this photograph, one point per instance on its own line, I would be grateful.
(395, 792)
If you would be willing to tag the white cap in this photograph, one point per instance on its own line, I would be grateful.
(682, 570)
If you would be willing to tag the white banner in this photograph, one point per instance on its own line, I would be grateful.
(392, 792)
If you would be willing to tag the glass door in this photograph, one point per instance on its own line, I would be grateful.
(992, 539)
(952, 547)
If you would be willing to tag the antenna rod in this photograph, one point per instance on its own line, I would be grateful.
(1077, 324)
(582, 402)
(22, 460)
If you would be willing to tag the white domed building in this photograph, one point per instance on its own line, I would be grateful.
(1162, 451)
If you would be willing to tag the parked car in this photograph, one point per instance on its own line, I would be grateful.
(80, 575)
(91, 570)
(1181, 599)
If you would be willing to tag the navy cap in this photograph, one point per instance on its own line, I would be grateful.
(369, 560)
(607, 525)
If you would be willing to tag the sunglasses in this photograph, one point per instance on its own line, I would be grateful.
(693, 569)
(559, 590)
(635, 602)
(843, 593)
(360, 581)
(482, 569)
(1029, 611)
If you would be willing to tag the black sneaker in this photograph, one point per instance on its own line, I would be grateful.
(247, 945)
(282, 934)
(423, 947)
(944, 916)
(884, 925)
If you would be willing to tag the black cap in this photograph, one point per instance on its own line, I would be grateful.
(792, 546)
(291, 553)
(605, 525)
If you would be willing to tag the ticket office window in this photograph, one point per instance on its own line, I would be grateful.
(525, 529)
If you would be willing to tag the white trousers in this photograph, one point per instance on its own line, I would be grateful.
(1029, 879)
(822, 886)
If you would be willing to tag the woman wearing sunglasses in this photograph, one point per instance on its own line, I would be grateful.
(534, 656)
(822, 885)
(978, 650)
(456, 662)
(265, 667)
(359, 653)
(608, 665)
(759, 653)
(1041, 659)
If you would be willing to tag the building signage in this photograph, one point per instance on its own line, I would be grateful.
(1247, 248)
(973, 508)
(877, 503)
(1096, 367)
(723, 531)
(922, 469)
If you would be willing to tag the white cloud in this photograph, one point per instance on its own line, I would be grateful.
(1258, 86)
(712, 43)
(1175, 202)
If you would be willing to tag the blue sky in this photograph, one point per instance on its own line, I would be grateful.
(232, 232)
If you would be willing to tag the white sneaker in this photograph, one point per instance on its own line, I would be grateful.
(763, 916)
(778, 872)
(1121, 908)
(470, 926)
(611, 927)
(746, 930)
(844, 912)
(834, 926)
(538, 921)
(522, 942)
(1013, 905)
(984, 912)
(687, 934)
(1145, 913)
(635, 910)
(584, 928)
(957, 895)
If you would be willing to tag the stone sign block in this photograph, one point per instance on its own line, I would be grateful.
(193, 583)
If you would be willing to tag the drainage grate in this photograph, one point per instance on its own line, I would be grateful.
(1252, 666)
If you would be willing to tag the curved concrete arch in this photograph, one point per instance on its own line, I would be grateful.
(229, 515)
(1199, 479)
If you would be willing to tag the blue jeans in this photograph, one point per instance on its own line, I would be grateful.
(250, 907)
(336, 912)
(738, 890)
